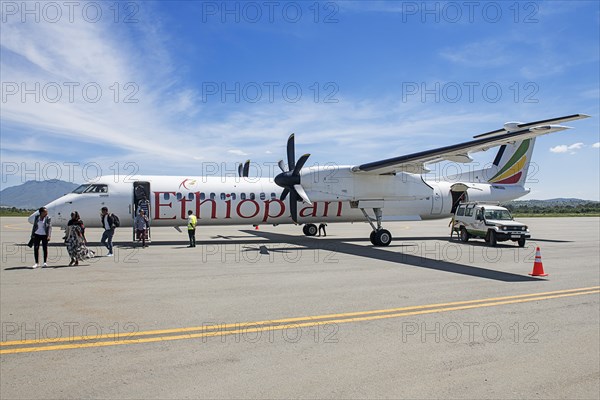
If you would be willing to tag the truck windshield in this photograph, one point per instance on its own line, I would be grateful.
(80, 189)
(500, 215)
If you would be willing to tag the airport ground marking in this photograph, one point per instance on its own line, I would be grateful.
(283, 320)
(250, 327)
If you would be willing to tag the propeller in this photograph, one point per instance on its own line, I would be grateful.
(244, 169)
(289, 180)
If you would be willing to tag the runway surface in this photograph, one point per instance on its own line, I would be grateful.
(270, 313)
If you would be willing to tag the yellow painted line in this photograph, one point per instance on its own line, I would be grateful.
(284, 320)
(248, 329)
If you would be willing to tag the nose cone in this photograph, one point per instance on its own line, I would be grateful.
(31, 218)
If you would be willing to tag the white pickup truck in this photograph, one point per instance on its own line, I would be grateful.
(489, 222)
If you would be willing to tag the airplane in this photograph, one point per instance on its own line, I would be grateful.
(394, 189)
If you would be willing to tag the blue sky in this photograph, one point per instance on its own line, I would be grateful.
(181, 87)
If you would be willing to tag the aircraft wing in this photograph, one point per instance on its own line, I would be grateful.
(512, 132)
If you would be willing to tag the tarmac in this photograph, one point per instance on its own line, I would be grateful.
(270, 313)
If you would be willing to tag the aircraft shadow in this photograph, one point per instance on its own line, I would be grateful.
(389, 256)
(550, 240)
(345, 246)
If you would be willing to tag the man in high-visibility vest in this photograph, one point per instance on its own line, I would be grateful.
(191, 225)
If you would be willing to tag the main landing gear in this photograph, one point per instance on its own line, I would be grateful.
(379, 236)
(310, 229)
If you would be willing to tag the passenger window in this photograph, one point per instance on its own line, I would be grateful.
(202, 196)
(263, 196)
(242, 196)
(190, 196)
(179, 196)
(222, 196)
(252, 196)
(233, 196)
(273, 196)
(212, 196)
(167, 196)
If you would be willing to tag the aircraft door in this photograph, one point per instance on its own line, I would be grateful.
(141, 201)
(459, 195)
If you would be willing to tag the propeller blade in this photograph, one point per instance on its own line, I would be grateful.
(291, 152)
(300, 164)
(240, 170)
(300, 190)
(294, 206)
(246, 170)
(281, 165)
(284, 194)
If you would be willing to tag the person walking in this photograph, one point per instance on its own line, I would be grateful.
(75, 239)
(141, 224)
(40, 233)
(191, 225)
(108, 224)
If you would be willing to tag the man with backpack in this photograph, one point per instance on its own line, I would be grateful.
(109, 223)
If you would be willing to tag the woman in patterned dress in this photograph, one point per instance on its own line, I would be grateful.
(75, 239)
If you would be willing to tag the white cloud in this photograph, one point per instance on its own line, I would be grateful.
(563, 148)
(488, 53)
(596, 145)
(96, 54)
(237, 152)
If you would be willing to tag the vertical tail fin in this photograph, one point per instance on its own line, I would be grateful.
(512, 163)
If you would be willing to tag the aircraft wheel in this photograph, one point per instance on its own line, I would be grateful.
(310, 229)
(464, 235)
(372, 237)
(382, 237)
(492, 236)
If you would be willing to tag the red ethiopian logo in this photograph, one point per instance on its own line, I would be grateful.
(186, 182)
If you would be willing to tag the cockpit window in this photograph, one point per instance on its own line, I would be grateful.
(96, 189)
(80, 189)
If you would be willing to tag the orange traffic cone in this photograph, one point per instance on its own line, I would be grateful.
(538, 267)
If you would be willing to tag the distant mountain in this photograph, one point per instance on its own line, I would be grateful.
(34, 194)
(550, 202)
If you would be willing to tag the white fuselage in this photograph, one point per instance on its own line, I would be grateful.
(337, 195)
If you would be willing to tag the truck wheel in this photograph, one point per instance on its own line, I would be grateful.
(464, 235)
(521, 242)
(492, 236)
